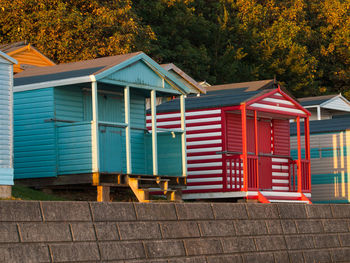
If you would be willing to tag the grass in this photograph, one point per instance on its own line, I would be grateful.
(25, 193)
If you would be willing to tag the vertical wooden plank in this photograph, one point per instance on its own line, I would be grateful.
(244, 147)
(299, 155)
(127, 129)
(154, 133)
(256, 147)
(307, 150)
(94, 132)
(183, 135)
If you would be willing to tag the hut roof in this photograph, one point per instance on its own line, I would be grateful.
(173, 68)
(309, 101)
(249, 86)
(70, 70)
(212, 99)
(321, 126)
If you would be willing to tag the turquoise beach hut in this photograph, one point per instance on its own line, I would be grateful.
(84, 123)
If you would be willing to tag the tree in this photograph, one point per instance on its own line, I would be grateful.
(70, 30)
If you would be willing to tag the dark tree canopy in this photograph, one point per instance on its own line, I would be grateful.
(305, 44)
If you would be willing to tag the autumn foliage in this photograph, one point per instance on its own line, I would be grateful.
(303, 43)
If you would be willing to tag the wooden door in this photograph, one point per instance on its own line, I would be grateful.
(265, 162)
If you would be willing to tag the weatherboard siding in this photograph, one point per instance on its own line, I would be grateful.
(6, 128)
(34, 135)
(330, 166)
(203, 141)
(140, 74)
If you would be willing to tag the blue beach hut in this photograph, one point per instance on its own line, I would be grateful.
(85, 123)
(6, 128)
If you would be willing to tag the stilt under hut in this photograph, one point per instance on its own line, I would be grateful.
(6, 128)
(238, 145)
(84, 123)
(330, 159)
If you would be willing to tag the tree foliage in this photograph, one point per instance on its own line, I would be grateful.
(69, 30)
(303, 43)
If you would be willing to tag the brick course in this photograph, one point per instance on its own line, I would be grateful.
(173, 233)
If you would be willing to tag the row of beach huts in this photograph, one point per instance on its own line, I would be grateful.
(126, 121)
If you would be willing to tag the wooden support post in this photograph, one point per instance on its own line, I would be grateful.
(307, 148)
(103, 193)
(154, 133)
(127, 129)
(183, 135)
(299, 155)
(94, 131)
(319, 117)
(256, 147)
(244, 147)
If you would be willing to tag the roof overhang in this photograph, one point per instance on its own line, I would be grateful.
(100, 76)
(8, 58)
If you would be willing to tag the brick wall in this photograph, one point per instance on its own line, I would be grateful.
(173, 233)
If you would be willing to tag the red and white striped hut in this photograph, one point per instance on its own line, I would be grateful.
(238, 145)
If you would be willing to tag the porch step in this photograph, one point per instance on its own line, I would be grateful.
(143, 186)
(276, 197)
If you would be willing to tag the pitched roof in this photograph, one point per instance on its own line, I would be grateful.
(211, 99)
(7, 48)
(321, 126)
(250, 86)
(187, 78)
(69, 70)
(310, 101)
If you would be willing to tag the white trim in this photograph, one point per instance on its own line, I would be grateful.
(271, 107)
(11, 115)
(183, 135)
(319, 113)
(286, 102)
(54, 83)
(94, 131)
(8, 58)
(154, 133)
(127, 129)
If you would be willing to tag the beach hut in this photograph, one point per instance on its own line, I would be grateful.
(330, 159)
(326, 107)
(6, 128)
(84, 123)
(26, 55)
(238, 145)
